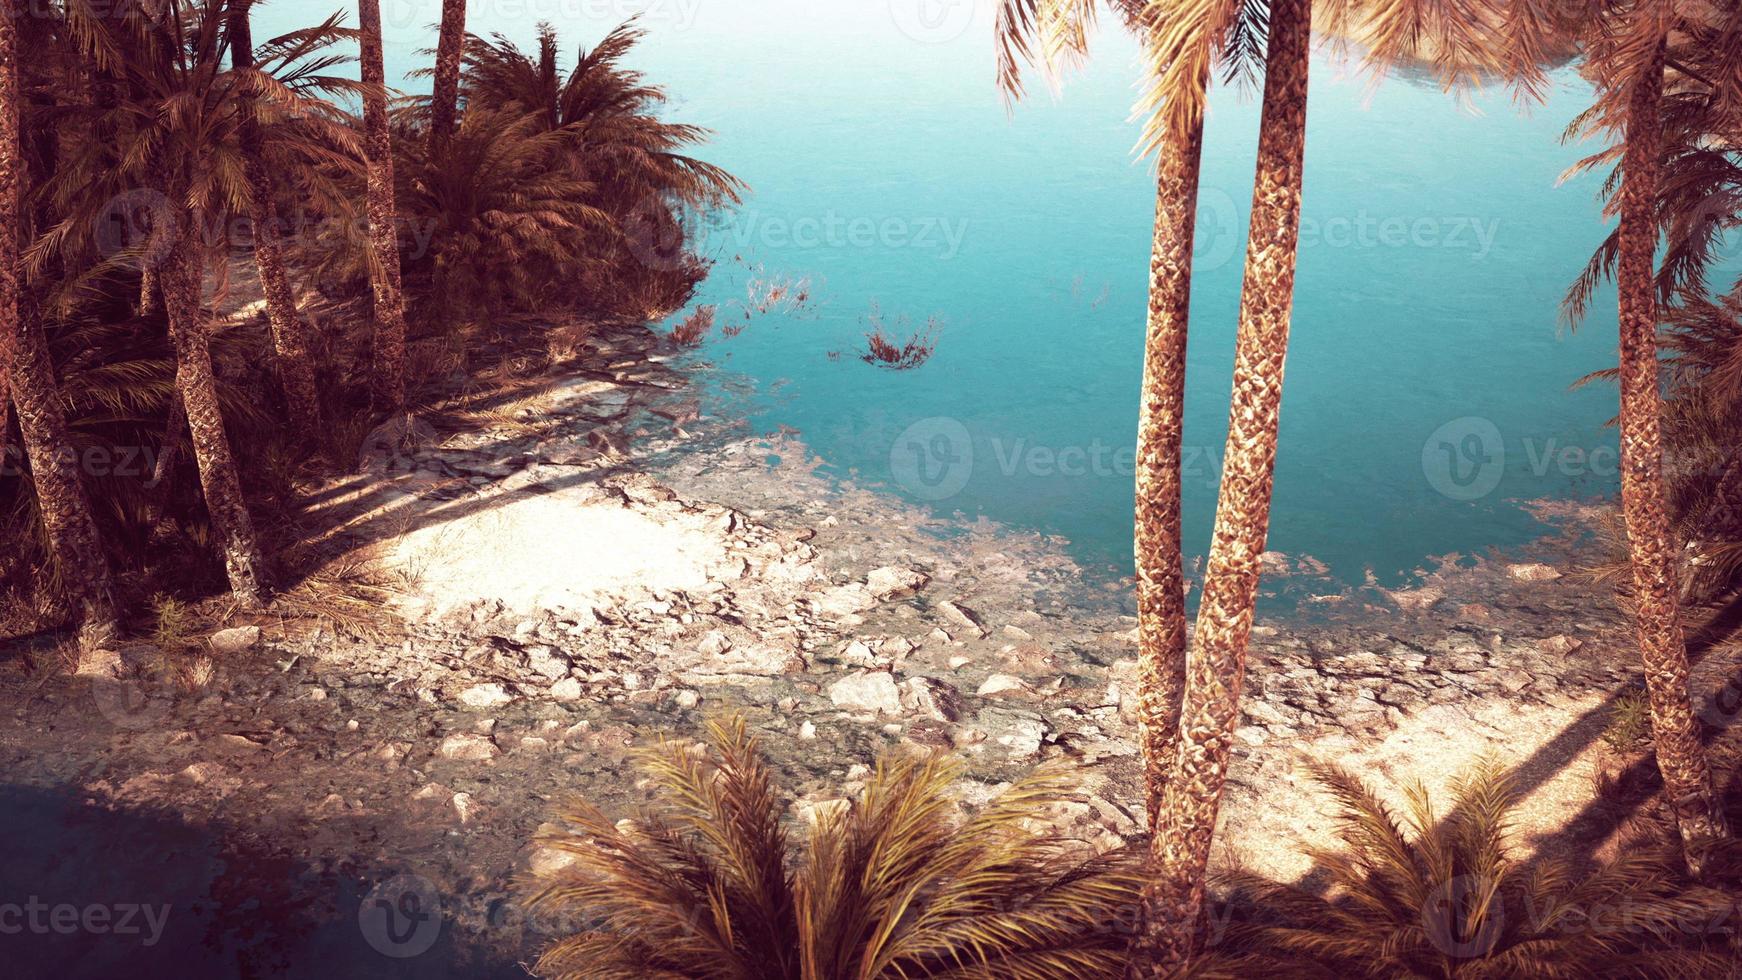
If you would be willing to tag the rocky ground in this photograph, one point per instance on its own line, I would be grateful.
(606, 560)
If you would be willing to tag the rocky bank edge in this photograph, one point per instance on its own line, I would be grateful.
(842, 622)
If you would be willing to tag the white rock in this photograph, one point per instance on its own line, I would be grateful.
(931, 698)
(466, 747)
(686, 698)
(483, 696)
(106, 664)
(807, 730)
(963, 616)
(466, 807)
(1534, 572)
(845, 600)
(714, 643)
(872, 691)
(1559, 645)
(1001, 684)
(235, 641)
(1417, 599)
(567, 689)
(548, 861)
(548, 662)
(892, 580)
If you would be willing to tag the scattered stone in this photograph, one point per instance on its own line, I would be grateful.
(485, 696)
(892, 581)
(1017, 633)
(1534, 572)
(963, 616)
(466, 747)
(873, 691)
(106, 664)
(237, 744)
(1001, 684)
(1559, 645)
(845, 600)
(466, 807)
(932, 698)
(567, 689)
(1020, 733)
(1416, 600)
(807, 730)
(547, 662)
(231, 642)
(548, 861)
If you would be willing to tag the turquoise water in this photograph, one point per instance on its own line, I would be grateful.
(1428, 382)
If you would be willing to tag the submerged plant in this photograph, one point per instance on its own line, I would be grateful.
(885, 346)
(1423, 895)
(709, 885)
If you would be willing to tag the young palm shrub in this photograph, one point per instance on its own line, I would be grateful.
(1423, 895)
(709, 884)
(507, 229)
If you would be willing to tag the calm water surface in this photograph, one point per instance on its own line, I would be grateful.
(1428, 382)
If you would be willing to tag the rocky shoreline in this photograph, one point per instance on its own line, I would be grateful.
(609, 561)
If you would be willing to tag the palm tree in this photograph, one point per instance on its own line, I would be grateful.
(891, 884)
(1420, 894)
(617, 136)
(289, 332)
(450, 48)
(1056, 30)
(1656, 596)
(1628, 56)
(11, 205)
(1216, 670)
(179, 117)
(384, 276)
(27, 377)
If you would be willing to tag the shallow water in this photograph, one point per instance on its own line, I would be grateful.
(1428, 388)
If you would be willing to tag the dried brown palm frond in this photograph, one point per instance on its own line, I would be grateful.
(892, 884)
(1422, 894)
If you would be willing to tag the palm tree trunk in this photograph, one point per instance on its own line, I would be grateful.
(64, 507)
(444, 104)
(1681, 756)
(27, 379)
(1216, 667)
(290, 343)
(384, 279)
(1161, 592)
(181, 276)
(11, 204)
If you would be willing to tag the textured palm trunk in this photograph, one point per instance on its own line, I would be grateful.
(63, 505)
(1161, 592)
(444, 104)
(1216, 666)
(384, 280)
(290, 342)
(181, 276)
(11, 205)
(27, 380)
(1681, 756)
